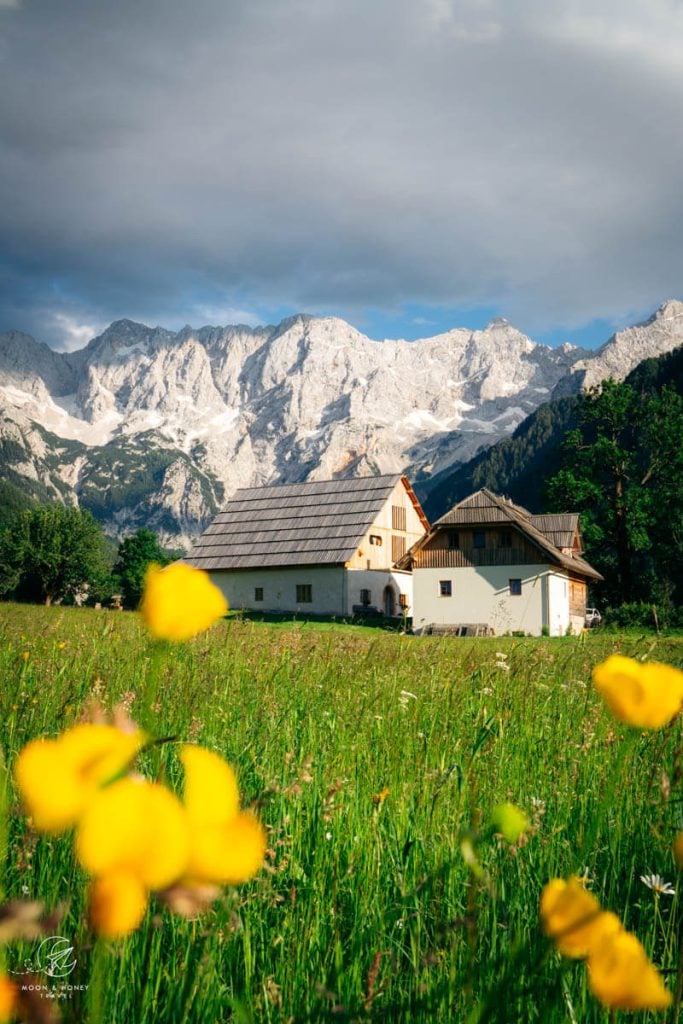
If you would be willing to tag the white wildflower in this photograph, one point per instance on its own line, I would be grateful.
(658, 885)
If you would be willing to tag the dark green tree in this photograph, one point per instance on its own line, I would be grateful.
(51, 553)
(622, 470)
(134, 555)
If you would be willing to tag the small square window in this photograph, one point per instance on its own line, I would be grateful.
(515, 588)
(376, 540)
(258, 593)
(304, 593)
(445, 588)
(479, 539)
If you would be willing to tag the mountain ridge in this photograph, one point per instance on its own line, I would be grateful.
(194, 414)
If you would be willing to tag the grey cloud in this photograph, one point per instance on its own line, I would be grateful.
(160, 159)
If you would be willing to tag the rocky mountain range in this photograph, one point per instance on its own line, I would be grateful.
(149, 427)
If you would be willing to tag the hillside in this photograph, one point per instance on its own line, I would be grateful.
(519, 466)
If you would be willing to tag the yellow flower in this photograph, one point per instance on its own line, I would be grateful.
(227, 846)
(137, 827)
(678, 850)
(117, 904)
(645, 694)
(622, 977)
(180, 601)
(572, 917)
(510, 821)
(58, 778)
(8, 999)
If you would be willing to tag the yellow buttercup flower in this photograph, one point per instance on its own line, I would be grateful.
(647, 695)
(227, 846)
(572, 917)
(622, 977)
(8, 999)
(138, 827)
(117, 904)
(180, 601)
(58, 778)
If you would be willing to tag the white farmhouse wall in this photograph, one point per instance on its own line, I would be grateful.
(334, 590)
(328, 589)
(558, 605)
(376, 582)
(482, 595)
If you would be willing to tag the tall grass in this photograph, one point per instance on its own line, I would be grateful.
(368, 756)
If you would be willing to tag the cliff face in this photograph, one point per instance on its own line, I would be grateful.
(149, 427)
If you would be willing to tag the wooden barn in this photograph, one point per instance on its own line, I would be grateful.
(489, 565)
(328, 547)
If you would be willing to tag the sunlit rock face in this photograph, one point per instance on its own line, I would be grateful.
(155, 428)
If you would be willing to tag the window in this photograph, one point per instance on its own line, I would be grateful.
(445, 588)
(258, 593)
(398, 517)
(304, 593)
(403, 600)
(479, 539)
(398, 548)
(506, 539)
(365, 597)
(376, 540)
(515, 588)
(453, 540)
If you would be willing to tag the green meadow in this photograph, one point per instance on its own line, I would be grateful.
(369, 756)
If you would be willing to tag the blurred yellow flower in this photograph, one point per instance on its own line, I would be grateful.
(572, 917)
(58, 778)
(227, 846)
(180, 601)
(8, 999)
(647, 695)
(510, 821)
(622, 977)
(117, 904)
(678, 850)
(137, 827)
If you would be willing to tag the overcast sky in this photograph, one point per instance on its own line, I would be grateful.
(409, 165)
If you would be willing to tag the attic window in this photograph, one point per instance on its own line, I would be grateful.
(398, 517)
(479, 539)
(398, 548)
(453, 540)
(376, 540)
(506, 539)
(304, 593)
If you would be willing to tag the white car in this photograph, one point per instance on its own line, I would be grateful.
(593, 617)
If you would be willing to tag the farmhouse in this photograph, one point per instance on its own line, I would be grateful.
(328, 547)
(490, 565)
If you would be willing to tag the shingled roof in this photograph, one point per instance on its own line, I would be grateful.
(549, 533)
(316, 523)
